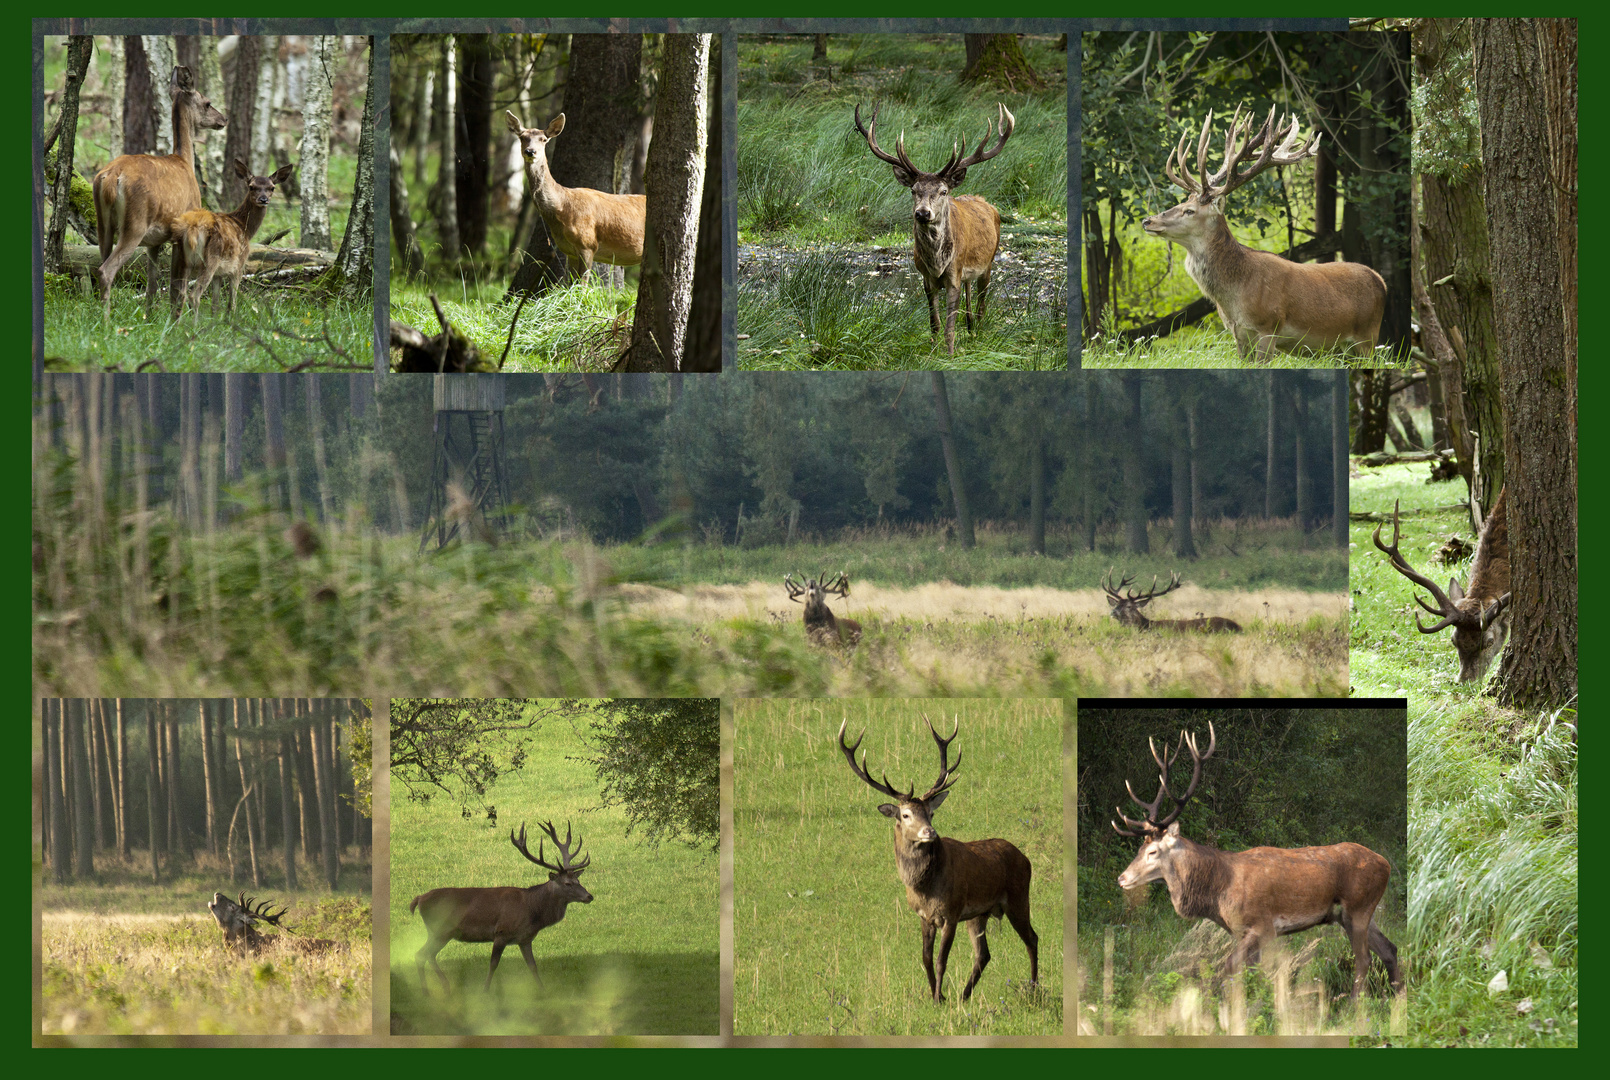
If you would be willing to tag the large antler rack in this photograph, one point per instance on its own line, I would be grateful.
(947, 771)
(1117, 594)
(566, 852)
(1151, 823)
(1447, 610)
(261, 912)
(1004, 124)
(1279, 147)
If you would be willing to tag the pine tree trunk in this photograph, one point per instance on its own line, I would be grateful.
(208, 774)
(245, 789)
(1338, 459)
(953, 461)
(1133, 449)
(353, 273)
(60, 844)
(242, 104)
(152, 783)
(1180, 461)
(287, 813)
(122, 782)
(447, 170)
(79, 51)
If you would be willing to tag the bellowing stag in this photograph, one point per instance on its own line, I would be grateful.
(503, 916)
(951, 881)
(822, 627)
(1261, 893)
(239, 919)
(1479, 616)
(1126, 608)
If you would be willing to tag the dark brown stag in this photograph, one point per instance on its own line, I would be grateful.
(821, 626)
(955, 238)
(1479, 616)
(239, 920)
(952, 881)
(503, 916)
(1126, 609)
(1261, 893)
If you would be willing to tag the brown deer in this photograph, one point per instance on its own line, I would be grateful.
(587, 226)
(239, 919)
(1261, 893)
(955, 237)
(1266, 302)
(952, 881)
(205, 242)
(503, 916)
(138, 196)
(1480, 615)
(822, 627)
(1126, 608)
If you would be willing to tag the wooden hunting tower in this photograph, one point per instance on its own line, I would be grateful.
(468, 427)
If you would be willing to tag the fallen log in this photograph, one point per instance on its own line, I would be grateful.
(80, 259)
(1382, 516)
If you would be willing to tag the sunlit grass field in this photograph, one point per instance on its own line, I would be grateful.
(824, 942)
(642, 959)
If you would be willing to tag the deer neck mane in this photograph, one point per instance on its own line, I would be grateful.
(1489, 571)
(817, 613)
(548, 194)
(935, 244)
(1196, 875)
(921, 866)
(1216, 262)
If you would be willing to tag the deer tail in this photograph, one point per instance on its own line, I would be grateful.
(195, 245)
(414, 903)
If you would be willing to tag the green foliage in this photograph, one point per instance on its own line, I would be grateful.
(582, 327)
(642, 959)
(660, 760)
(461, 745)
(825, 944)
(1447, 122)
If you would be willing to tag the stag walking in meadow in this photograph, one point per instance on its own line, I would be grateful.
(947, 881)
(1261, 893)
(1126, 608)
(503, 916)
(822, 627)
(955, 237)
(1266, 302)
(1480, 615)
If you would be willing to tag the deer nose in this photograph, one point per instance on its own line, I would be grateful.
(926, 833)
(923, 215)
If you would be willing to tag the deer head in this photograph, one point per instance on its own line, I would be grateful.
(533, 143)
(1160, 833)
(239, 918)
(930, 192)
(564, 877)
(1126, 608)
(912, 813)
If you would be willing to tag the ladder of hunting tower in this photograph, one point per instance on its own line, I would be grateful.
(474, 452)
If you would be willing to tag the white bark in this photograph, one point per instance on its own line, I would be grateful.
(160, 56)
(263, 107)
(114, 95)
(211, 78)
(447, 210)
(313, 161)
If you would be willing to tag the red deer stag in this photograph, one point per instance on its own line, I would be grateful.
(1266, 302)
(138, 196)
(239, 918)
(1261, 893)
(1479, 616)
(1126, 608)
(587, 226)
(822, 627)
(952, 881)
(503, 916)
(955, 237)
(205, 242)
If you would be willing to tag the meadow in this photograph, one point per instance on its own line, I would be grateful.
(825, 279)
(125, 957)
(824, 943)
(642, 959)
(1492, 802)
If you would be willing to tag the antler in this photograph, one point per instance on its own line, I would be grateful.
(840, 585)
(1282, 147)
(947, 773)
(868, 132)
(946, 770)
(795, 591)
(566, 852)
(860, 770)
(260, 913)
(1008, 123)
(1116, 594)
(1447, 611)
(1151, 823)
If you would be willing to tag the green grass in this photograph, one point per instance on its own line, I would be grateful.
(124, 957)
(642, 959)
(810, 194)
(1492, 811)
(823, 941)
(583, 327)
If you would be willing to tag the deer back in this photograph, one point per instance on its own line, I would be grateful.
(610, 226)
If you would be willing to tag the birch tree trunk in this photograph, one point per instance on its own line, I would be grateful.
(447, 184)
(114, 96)
(313, 162)
(263, 126)
(159, 54)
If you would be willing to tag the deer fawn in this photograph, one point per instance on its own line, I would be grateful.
(1266, 302)
(1479, 616)
(239, 918)
(587, 226)
(955, 237)
(1126, 608)
(138, 196)
(503, 916)
(206, 243)
(822, 627)
(1261, 893)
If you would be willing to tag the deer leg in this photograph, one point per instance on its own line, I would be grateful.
(497, 954)
(967, 305)
(933, 312)
(953, 295)
(1388, 953)
(203, 283)
(428, 951)
(110, 265)
(530, 961)
(1358, 931)
(928, 927)
(947, 938)
(977, 928)
(178, 283)
(153, 254)
(1031, 940)
(983, 287)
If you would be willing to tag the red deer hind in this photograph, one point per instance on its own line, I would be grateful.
(1126, 608)
(205, 242)
(1261, 893)
(822, 627)
(956, 237)
(503, 916)
(239, 920)
(138, 196)
(947, 881)
(1266, 302)
(1480, 615)
(588, 226)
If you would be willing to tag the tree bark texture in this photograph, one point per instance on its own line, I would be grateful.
(1338, 458)
(702, 351)
(313, 156)
(354, 267)
(472, 141)
(1133, 495)
(241, 111)
(953, 461)
(79, 51)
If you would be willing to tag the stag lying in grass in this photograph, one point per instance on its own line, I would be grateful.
(1126, 608)
(822, 627)
(955, 237)
(239, 920)
(503, 916)
(206, 243)
(947, 881)
(1266, 302)
(1480, 615)
(1261, 893)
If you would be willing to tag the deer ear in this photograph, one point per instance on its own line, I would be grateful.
(906, 179)
(241, 169)
(888, 809)
(934, 803)
(513, 121)
(1112, 601)
(1174, 829)
(283, 174)
(557, 126)
(1455, 593)
(955, 177)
